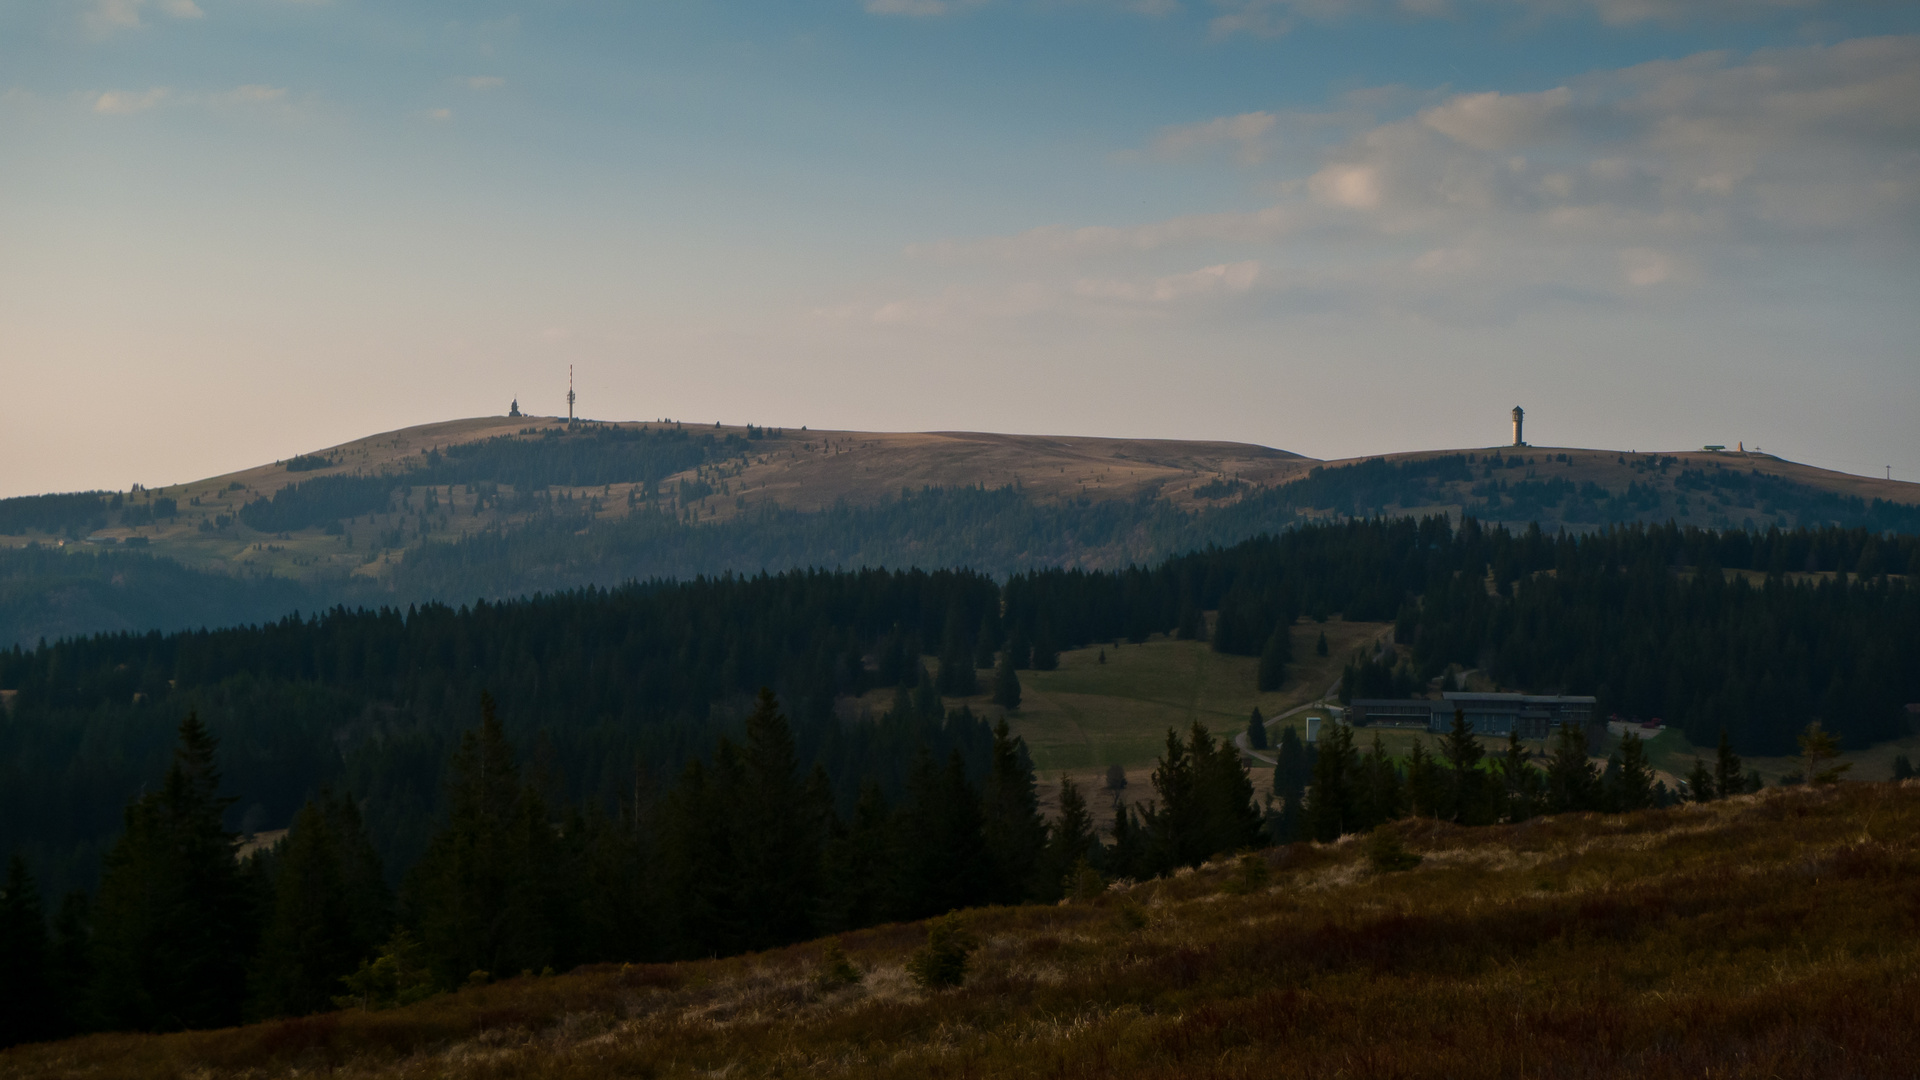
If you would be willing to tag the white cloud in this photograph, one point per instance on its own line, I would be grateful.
(1355, 187)
(919, 9)
(1223, 279)
(251, 94)
(438, 114)
(1248, 133)
(106, 16)
(1491, 121)
(126, 102)
(1618, 186)
(485, 82)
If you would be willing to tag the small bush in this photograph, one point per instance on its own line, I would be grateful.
(1249, 874)
(398, 976)
(942, 962)
(1386, 854)
(1086, 884)
(836, 970)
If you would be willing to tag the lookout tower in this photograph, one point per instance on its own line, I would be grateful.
(1516, 423)
(1519, 414)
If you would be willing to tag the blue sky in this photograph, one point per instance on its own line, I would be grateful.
(232, 230)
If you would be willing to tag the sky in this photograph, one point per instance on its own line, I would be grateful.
(236, 230)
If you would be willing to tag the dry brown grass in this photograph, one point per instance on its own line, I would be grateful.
(1773, 935)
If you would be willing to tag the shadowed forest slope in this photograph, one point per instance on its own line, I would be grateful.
(1768, 935)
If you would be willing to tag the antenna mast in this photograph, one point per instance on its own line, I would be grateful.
(569, 393)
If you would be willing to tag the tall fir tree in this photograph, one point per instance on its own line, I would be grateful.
(1274, 657)
(1257, 730)
(1520, 781)
(941, 849)
(26, 1000)
(1572, 782)
(860, 865)
(1069, 840)
(1171, 821)
(779, 829)
(1292, 772)
(1383, 796)
(1015, 833)
(1006, 684)
(1333, 803)
(1230, 820)
(927, 705)
(1700, 785)
(1632, 780)
(171, 924)
(1426, 782)
(1129, 856)
(1470, 796)
(483, 893)
(1728, 778)
(327, 914)
(70, 965)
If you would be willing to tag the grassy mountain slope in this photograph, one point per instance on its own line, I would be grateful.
(1770, 935)
(506, 506)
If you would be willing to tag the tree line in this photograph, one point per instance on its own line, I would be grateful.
(746, 850)
(1653, 621)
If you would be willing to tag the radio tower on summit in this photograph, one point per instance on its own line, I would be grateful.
(569, 393)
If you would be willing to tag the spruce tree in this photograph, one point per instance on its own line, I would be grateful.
(1333, 802)
(1128, 857)
(1292, 770)
(1173, 822)
(1320, 646)
(1015, 834)
(1230, 821)
(1425, 783)
(70, 965)
(1520, 779)
(1817, 748)
(171, 932)
(1728, 780)
(1468, 793)
(778, 833)
(860, 864)
(1632, 787)
(1257, 730)
(1069, 841)
(1700, 784)
(309, 942)
(926, 699)
(1006, 684)
(986, 641)
(1273, 660)
(941, 848)
(1572, 783)
(26, 1000)
(1383, 793)
(1046, 651)
(482, 892)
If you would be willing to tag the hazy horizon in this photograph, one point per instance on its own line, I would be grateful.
(236, 230)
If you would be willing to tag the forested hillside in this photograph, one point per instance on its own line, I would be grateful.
(609, 689)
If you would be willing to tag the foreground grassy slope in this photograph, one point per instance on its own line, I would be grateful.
(1773, 935)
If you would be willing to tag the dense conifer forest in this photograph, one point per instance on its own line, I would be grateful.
(613, 691)
(669, 769)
